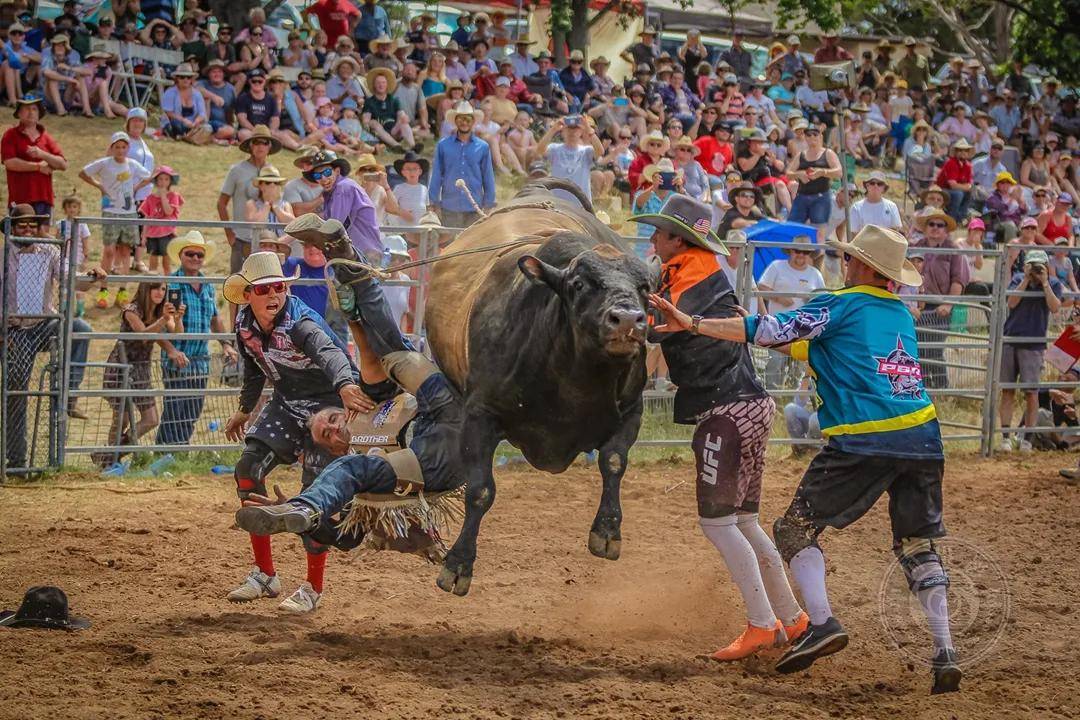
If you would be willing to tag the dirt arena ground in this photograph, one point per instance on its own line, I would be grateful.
(547, 631)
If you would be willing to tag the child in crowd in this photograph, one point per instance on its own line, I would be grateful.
(411, 195)
(79, 251)
(117, 177)
(520, 138)
(163, 203)
(332, 137)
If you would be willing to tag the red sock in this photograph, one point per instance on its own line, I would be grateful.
(316, 564)
(264, 558)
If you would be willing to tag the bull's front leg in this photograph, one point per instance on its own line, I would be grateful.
(605, 538)
(479, 438)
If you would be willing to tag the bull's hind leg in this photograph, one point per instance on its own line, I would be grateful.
(479, 438)
(605, 538)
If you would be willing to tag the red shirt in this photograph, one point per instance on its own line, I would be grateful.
(333, 17)
(28, 187)
(826, 54)
(711, 147)
(637, 166)
(954, 170)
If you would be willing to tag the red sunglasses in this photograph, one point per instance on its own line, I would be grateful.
(260, 290)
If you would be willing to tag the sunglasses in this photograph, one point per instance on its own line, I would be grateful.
(260, 290)
(16, 32)
(936, 225)
(682, 149)
(195, 255)
(256, 81)
(626, 137)
(655, 144)
(811, 132)
(25, 223)
(803, 252)
(875, 182)
(315, 175)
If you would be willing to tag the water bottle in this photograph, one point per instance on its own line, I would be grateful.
(117, 469)
(214, 426)
(222, 469)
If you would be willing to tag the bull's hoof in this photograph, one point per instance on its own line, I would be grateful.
(455, 582)
(604, 547)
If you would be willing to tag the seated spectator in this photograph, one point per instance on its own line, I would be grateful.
(1056, 223)
(801, 418)
(875, 208)
(544, 83)
(984, 173)
(331, 135)
(455, 68)
(955, 178)
(1035, 170)
(256, 106)
(482, 70)
(191, 40)
(21, 63)
(679, 100)
(576, 81)
(411, 98)
(220, 100)
(957, 126)
(293, 118)
(433, 78)
(695, 179)
(61, 78)
(383, 116)
(658, 181)
(343, 82)
(746, 210)
(223, 51)
(98, 81)
(382, 55)
(717, 151)
(764, 170)
(258, 31)
(298, 54)
(1006, 207)
(651, 148)
(520, 139)
(185, 108)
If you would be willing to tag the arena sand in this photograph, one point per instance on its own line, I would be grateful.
(547, 631)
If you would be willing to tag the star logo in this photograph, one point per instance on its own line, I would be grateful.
(903, 371)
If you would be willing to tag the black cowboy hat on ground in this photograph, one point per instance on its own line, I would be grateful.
(43, 607)
(688, 219)
(329, 157)
(411, 157)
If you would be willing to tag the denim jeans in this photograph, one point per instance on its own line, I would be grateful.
(178, 414)
(958, 204)
(335, 486)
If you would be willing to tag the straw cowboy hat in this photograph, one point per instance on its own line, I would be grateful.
(268, 174)
(268, 237)
(654, 136)
(884, 250)
(933, 190)
(688, 219)
(261, 132)
(193, 238)
(367, 162)
(306, 153)
(962, 144)
(346, 59)
(664, 165)
(933, 213)
(686, 142)
(384, 40)
(391, 80)
(184, 70)
(260, 268)
(599, 60)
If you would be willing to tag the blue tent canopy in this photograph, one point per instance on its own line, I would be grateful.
(772, 231)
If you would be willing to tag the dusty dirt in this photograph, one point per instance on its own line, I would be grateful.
(547, 630)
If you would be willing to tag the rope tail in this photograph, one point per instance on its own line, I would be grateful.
(460, 184)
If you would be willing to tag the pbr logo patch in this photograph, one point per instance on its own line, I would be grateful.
(903, 371)
(384, 412)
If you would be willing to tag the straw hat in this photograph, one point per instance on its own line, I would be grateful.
(934, 189)
(184, 70)
(933, 213)
(384, 40)
(653, 136)
(962, 144)
(346, 59)
(269, 237)
(664, 165)
(366, 161)
(391, 80)
(260, 268)
(884, 250)
(687, 218)
(261, 132)
(29, 100)
(268, 174)
(686, 142)
(193, 238)
(599, 60)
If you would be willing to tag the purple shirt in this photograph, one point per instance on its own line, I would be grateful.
(348, 203)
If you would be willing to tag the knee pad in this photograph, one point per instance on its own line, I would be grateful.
(915, 554)
(408, 369)
(792, 535)
(380, 391)
(255, 463)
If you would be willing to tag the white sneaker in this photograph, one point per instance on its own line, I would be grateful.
(304, 600)
(256, 585)
(1025, 446)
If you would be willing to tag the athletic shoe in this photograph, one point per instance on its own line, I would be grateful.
(122, 298)
(256, 585)
(304, 600)
(102, 298)
(796, 629)
(1025, 446)
(1071, 475)
(292, 517)
(80, 307)
(752, 640)
(946, 672)
(817, 642)
(141, 267)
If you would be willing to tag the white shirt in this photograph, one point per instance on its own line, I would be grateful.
(573, 164)
(884, 213)
(413, 198)
(732, 276)
(139, 151)
(119, 180)
(82, 234)
(781, 277)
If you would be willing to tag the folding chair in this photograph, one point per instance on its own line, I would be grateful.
(919, 171)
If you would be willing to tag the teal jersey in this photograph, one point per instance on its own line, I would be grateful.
(863, 354)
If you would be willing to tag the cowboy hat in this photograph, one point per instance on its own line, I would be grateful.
(932, 213)
(306, 153)
(384, 40)
(391, 80)
(688, 219)
(686, 142)
(411, 157)
(884, 250)
(654, 136)
(367, 161)
(329, 157)
(434, 100)
(29, 100)
(664, 165)
(259, 268)
(648, 30)
(345, 59)
(462, 108)
(43, 607)
(24, 211)
(745, 186)
(269, 237)
(261, 132)
(60, 39)
(934, 189)
(599, 60)
(193, 238)
(962, 144)
(268, 174)
(184, 70)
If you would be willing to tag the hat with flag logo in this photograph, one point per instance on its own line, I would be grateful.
(688, 219)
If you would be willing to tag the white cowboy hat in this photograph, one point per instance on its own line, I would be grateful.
(462, 108)
(884, 250)
(193, 238)
(260, 268)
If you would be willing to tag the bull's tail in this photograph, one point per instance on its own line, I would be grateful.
(550, 183)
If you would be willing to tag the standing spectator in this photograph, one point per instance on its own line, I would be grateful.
(913, 67)
(875, 208)
(238, 188)
(943, 274)
(955, 177)
(461, 156)
(644, 52)
(814, 169)
(573, 158)
(523, 63)
(268, 206)
(336, 17)
(792, 61)
(163, 203)
(1023, 361)
(30, 157)
(139, 151)
(794, 275)
(186, 363)
(831, 50)
(412, 194)
(738, 57)
(345, 200)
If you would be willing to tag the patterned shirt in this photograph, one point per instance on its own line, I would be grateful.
(201, 309)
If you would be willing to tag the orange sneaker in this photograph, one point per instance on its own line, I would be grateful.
(798, 627)
(752, 640)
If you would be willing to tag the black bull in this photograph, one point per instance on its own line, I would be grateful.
(546, 343)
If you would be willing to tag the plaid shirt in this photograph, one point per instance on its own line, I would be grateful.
(201, 309)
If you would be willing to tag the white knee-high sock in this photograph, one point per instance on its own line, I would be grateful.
(808, 569)
(935, 604)
(742, 564)
(771, 565)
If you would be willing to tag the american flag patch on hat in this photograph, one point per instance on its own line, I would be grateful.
(702, 225)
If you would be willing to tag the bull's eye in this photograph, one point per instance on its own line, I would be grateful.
(577, 285)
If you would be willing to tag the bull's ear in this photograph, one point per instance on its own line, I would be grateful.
(539, 271)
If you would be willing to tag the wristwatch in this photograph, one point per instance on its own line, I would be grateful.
(695, 324)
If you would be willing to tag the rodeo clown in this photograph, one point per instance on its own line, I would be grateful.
(719, 393)
(882, 430)
(388, 361)
(283, 341)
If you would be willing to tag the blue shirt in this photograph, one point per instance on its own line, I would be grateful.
(373, 22)
(201, 309)
(865, 360)
(226, 92)
(470, 161)
(314, 296)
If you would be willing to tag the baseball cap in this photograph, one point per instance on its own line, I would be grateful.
(502, 81)
(119, 136)
(1032, 257)
(1029, 222)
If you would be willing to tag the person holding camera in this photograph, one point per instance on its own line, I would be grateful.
(573, 158)
(1021, 361)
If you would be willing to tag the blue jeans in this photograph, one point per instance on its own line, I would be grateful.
(178, 414)
(342, 479)
(814, 208)
(958, 204)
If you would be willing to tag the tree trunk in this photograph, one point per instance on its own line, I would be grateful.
(1003, 20)
(579, 30)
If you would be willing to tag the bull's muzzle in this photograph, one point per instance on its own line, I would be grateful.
(625, 325)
